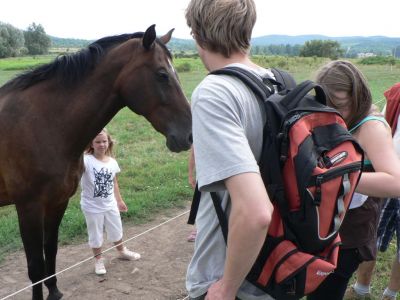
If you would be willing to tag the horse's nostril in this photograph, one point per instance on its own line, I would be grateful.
(190, 139)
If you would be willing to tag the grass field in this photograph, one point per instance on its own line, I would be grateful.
(152, 178)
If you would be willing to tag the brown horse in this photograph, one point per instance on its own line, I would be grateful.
(49, 115)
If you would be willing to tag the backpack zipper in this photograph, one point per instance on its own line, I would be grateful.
(328, 175)
(333, 173)
(283, 135)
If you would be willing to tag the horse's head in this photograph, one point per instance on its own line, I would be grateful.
(148, 85)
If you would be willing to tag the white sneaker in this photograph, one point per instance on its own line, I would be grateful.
(387, 297)
(99, 267)
(126, 254)
(351, 294)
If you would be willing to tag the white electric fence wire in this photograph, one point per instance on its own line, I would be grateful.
(380, 101)
(90, 258)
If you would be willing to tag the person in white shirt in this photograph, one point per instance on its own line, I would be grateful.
(101, 201)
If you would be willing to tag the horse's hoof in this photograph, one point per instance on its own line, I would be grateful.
(55, 295)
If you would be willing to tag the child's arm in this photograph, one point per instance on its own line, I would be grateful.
(121, 204)
(191, 169)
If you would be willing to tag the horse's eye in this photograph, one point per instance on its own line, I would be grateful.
(163, 75)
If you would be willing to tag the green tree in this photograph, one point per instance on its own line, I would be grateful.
(36, 39)
(11, 41)
(320, 48)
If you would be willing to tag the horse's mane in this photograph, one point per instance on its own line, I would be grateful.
(70, 68)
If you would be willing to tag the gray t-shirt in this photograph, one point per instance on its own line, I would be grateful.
(228, 123)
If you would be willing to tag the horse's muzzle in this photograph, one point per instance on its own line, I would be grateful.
(177, 143)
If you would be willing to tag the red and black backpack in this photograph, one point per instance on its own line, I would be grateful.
(310, 165)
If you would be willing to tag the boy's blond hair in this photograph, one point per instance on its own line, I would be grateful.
(222, 26)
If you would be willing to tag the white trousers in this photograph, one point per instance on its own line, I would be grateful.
(96, 223)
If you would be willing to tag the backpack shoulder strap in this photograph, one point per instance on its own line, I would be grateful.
(263, 89)
(195, 205)
(223, 220)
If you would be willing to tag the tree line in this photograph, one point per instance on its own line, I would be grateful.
(318, 48)
(15, 42)
(35, 41)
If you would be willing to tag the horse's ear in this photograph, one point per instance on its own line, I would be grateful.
(149, 37)
(167, 37)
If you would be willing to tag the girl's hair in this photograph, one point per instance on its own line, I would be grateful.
(344, 76)
(89, 149)
(222, 26)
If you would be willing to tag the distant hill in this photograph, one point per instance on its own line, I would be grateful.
(176, 45)
(379, 45)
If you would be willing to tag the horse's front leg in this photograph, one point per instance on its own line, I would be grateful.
(52, 221)
(30, 218)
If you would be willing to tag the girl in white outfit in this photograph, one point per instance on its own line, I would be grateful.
(101, 201)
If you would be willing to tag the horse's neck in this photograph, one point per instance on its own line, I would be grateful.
(97, 102)
(89, 108)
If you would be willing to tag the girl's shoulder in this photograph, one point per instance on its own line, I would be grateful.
(373, 132)
(369, 121)
(113, 164)
(113, 160)
(375, 125)
(87, 157)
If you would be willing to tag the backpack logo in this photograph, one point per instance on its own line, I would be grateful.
(328, 162)
(322, 273)
(339, 157)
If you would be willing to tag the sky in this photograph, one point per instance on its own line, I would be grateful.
(94, 19)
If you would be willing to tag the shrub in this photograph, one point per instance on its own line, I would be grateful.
(184, 67)
(379, 60)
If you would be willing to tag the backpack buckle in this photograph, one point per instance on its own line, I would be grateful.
(324, 161)
(318, 192)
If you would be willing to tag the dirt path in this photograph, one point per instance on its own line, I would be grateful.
(160, 274)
